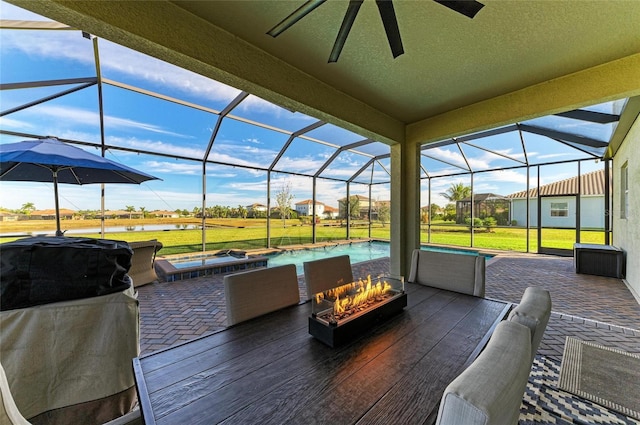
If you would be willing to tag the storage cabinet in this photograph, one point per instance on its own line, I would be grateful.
(600, 260)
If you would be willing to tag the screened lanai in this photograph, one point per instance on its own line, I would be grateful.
(215, 145)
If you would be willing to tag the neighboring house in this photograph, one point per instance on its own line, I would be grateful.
(51, 214)
(559, 202)
(165, 214)
(331, 212)
(484, 205)
(9, 216)
(363, 203)
(377, 206)
(256, 210)
(306, 207)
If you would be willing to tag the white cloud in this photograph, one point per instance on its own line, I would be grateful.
(554, 155)
(509, 177)
(69, 115)
(16, 124)
(301, 164)
(157, 146)
(121, 59)
(173, 167)
(130, 65)
(71, 45)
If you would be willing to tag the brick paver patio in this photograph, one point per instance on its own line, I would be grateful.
(592, 308)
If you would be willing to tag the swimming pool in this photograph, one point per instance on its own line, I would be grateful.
(357, 251)
(207, 264)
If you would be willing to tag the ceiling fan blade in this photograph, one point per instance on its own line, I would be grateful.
(347, 22)
(388, 15)
(294, 17)
(468, 8)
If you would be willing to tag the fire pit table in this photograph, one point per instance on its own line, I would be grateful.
(269, 370)
(341, 314)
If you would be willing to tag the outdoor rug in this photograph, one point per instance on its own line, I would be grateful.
(544, 403)
(606, 376)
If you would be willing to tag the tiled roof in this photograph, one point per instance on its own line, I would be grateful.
(308, 202)
(62, 211)
(591, 184)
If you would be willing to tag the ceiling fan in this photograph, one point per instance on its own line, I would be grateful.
(467, 8)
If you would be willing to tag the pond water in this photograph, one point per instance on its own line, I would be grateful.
(121, 229)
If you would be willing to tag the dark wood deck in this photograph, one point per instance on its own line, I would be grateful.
(270, 370)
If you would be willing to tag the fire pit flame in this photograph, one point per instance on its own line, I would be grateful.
(343, 313)
(354, 297)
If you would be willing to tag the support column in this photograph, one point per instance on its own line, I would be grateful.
(405, 206)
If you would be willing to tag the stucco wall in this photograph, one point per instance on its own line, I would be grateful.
(626, 231)
(591, 212)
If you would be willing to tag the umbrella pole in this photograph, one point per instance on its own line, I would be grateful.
(55, 191)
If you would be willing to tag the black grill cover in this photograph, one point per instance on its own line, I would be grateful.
(45, 269)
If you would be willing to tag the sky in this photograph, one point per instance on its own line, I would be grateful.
(138, 122)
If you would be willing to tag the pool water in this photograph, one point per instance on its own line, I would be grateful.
(357, 251)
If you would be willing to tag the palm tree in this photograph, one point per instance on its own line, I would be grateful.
(242, 211)
(130, 209)
(457, 192)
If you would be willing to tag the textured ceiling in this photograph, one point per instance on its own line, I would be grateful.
(450, 60)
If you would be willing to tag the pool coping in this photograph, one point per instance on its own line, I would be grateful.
(255, 258)
(167, 272)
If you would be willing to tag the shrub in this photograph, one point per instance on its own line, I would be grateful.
(477, 222)
(489, 223)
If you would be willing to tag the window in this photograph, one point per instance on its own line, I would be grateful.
(559, 209)
(624, 191)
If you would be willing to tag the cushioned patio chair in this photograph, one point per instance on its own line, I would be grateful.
(256, 292)
(533, 312)
(453, 272)
(327, 273)
(490, 390)
(142, 269)
(79, 358)
(10, 414)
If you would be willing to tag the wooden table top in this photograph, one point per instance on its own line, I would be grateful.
(271, 371)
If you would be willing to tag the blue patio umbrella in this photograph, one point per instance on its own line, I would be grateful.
(50, 160)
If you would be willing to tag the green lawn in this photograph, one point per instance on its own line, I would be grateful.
(242, 237)
(509, 238)
(252, 233)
